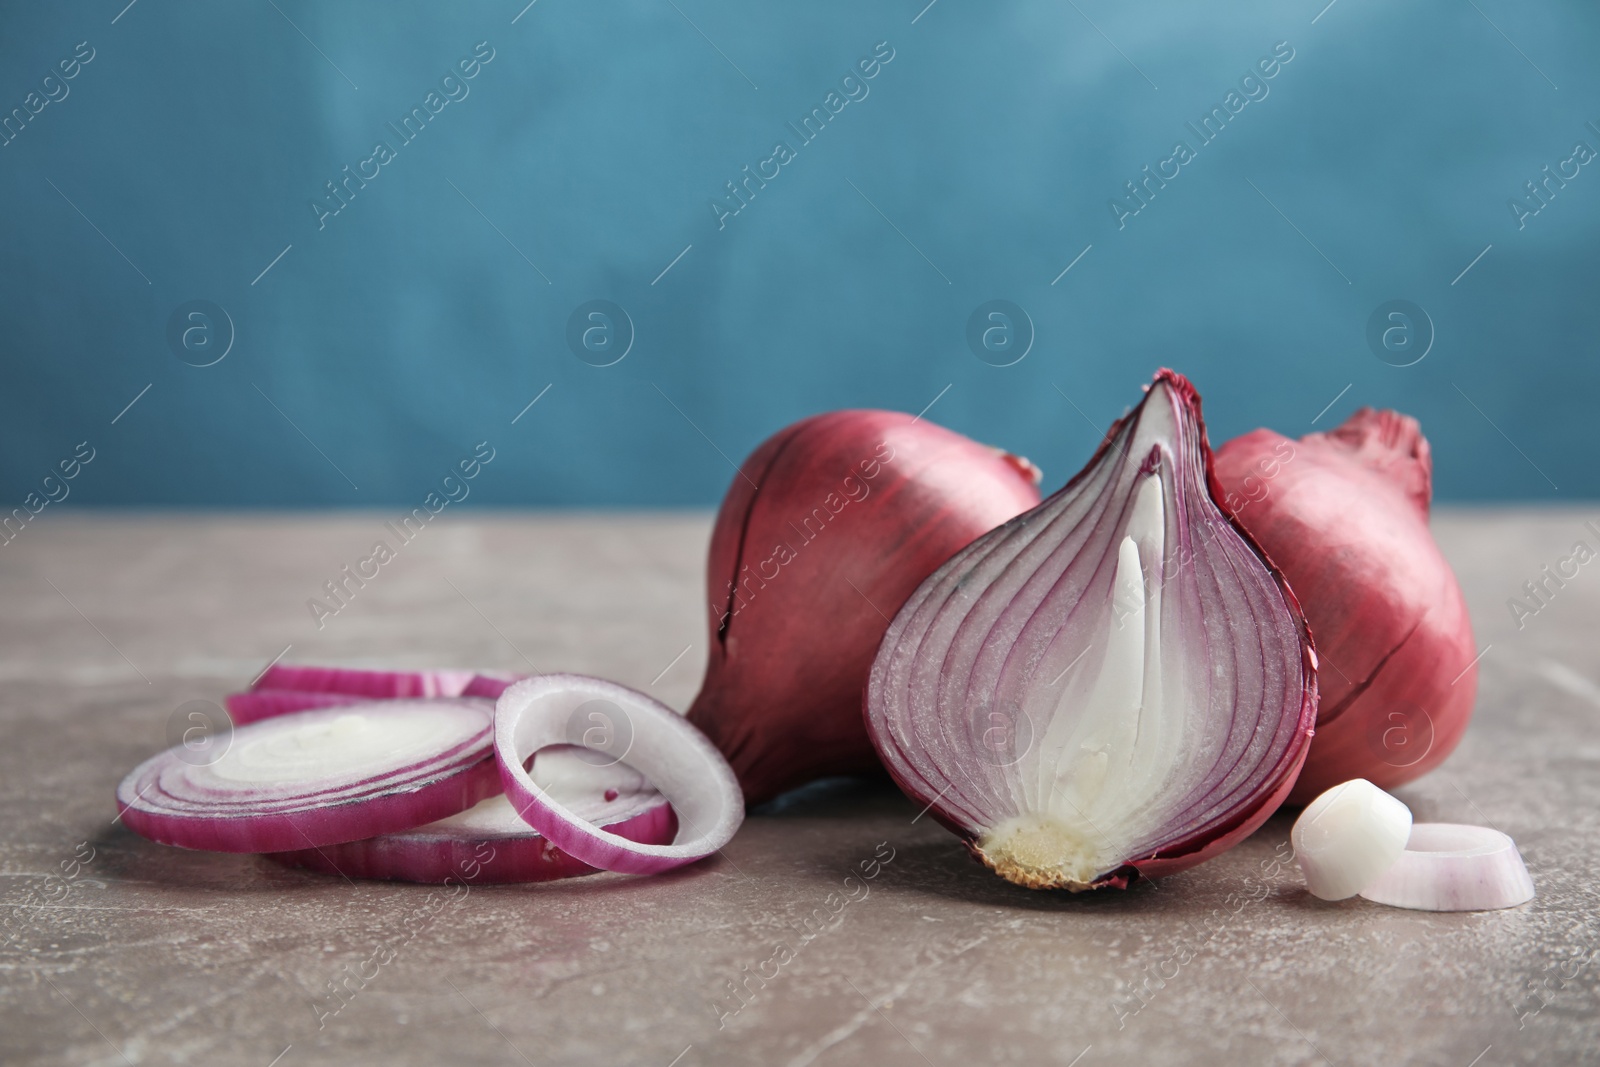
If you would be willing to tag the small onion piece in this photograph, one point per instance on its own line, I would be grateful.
(672, 755)
(489, 844)
(318, 777)
(1349, 836)
(1452, 867)
(1113, 684)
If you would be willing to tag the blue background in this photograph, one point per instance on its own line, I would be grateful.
(980, 164)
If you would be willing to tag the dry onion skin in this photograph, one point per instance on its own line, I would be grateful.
(1114, 684)
(1345, 515)
(827, 528)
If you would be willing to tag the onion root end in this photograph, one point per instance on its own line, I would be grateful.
(1039, 851)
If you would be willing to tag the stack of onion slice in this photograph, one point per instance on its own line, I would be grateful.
(409, 787)
(1114, 683)
(490, 843)
(1355, 838)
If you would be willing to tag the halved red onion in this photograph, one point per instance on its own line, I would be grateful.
(1452, 867)
(489, 843)
(672, 755)
(1114, 683)
(318, 777)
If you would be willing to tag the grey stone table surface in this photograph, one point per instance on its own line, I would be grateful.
(117, 950)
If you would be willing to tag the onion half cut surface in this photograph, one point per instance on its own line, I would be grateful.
(318, 777)
(1113, 684)
(489, 843)
(1453, 867)
(660, 744)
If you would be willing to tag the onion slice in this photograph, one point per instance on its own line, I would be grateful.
(257, 704)
(377, 685)
(285, 688)
(1113, 684)
(1451, 867)
(318, 777)
(489, 843)
(1349, 836)
(675, 757)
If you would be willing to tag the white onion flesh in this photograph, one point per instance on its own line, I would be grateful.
(1453, 867)
(1347, 837)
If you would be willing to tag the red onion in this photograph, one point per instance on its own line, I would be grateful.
(490, 844)
(1344, 514)
(828, 527)
(318, 777)
(1113, 684)
(671, 754)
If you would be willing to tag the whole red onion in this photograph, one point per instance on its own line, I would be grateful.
(1344, 515)
(828, 527)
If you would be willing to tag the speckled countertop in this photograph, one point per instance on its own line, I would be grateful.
(116, 950)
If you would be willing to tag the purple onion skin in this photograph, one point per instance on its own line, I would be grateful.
(790, 652)
(1188, 852)
(1345, 513)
